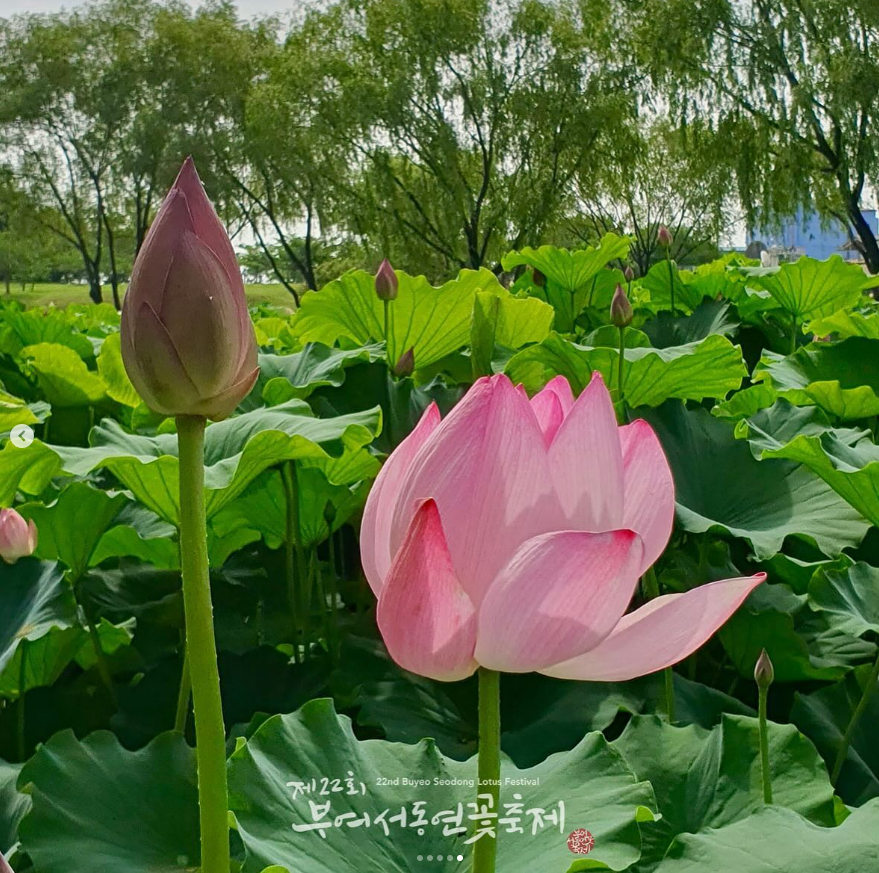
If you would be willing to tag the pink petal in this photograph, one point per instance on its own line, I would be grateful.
(375, 530)
(222, 405)
(560, 386)
(661, 633)
(425, 617)
(649, 503)
(560, 595)
(548, 411)
(155, 368)
(587, 462)
(486, 467)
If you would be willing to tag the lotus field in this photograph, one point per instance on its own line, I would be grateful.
(575, 571)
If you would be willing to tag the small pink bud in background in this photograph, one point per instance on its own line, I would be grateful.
(538, 278)
(621, 313)
(629, 273)
(18, 538)
(187, 338)
(386, 282)
(664, 236)
(764, 672)
(406, 365)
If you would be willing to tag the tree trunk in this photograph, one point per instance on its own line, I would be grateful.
(95, 292)
(870, 247)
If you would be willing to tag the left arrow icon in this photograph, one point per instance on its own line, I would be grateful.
(21, 436)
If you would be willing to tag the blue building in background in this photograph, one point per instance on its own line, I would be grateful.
(806, 236)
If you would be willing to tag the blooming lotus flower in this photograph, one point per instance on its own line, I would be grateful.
(187, 338)
(18, 538)
(511, 535)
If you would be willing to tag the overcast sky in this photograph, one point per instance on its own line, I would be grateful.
(245, 7)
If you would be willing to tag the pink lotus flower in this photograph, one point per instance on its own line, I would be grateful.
(187, 339)
(512, 535)
(18, 538)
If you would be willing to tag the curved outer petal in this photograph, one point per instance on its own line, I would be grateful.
(587, 462)
(549, 413)
(200, 315)
(155, 368)
(661, 633)
(486, 467)
(559, 386)
(222, 405)
(560, 595)
(375, 530)
(649, 502)
(425, 617)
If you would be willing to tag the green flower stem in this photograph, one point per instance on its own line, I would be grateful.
(621, 368)
(793, 335)
(869, 688)
(184, 693)
(387, 307)
(334, 598)
(20, 713)
(291, 537)
(651, 588)
(101, 658)
(671, 279)
(764, 744)
(202, 650)
(485, 849)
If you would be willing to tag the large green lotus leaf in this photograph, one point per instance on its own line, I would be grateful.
(841, 378)
(710, 317)
(34, 598)
(14, 410)
(776, 839)
(721, 487)
(746, 403)
(139, 533)
(574, 279)
(112, 370)
(844, 324)
(38, 325)
(850, 595)
(13, 805)
(824, 716)
(97, 806)
(432, 321)
(809, 289)
(303, 372)
(71, 527)
(237, 450)
(263, 507)
(62, 375)
(598, 790)
(710, 368)
(708, 779)
(689, 289)
(803, 645)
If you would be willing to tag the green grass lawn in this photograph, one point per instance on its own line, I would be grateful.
(64, 295)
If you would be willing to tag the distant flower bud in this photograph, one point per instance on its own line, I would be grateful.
(621, 312)
(764, 673)
(406, 365)
(18, 538)
(664, 236)
(629, 274)
(329, 514)
(386, 281)
(538, 277)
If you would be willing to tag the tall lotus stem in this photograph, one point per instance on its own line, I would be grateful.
(764, 673)
(621, 315)
(793, 335)
(869, 688)
(202, 650)
(665, 239)
(489, 784)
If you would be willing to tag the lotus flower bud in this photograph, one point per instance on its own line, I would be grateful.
(629, 273)
(406, 365)
(187, 339)
(18, 538)
(538, 278)
(664, 236)
(386, 282)
(764, 672)
(621, 312)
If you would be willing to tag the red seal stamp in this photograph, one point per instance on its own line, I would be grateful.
(580, 842)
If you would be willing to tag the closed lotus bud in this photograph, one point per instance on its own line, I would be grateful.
(538, 278)
(629, 274)
(621, 312)
(406, 365)
(18, 538)
(764, 672)
(187, 339)
(386, 282)
(664, 236)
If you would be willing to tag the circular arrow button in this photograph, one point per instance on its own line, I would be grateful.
(21, 436)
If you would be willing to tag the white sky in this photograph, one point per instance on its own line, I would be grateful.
(246, 8)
